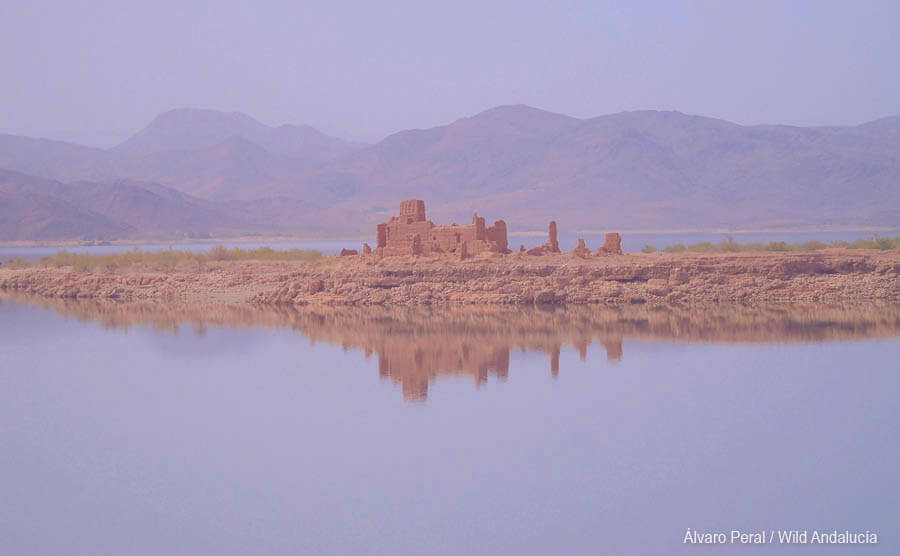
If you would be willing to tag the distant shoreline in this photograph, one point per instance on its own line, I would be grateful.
(181, 241)
(523, 233)
(811, 230)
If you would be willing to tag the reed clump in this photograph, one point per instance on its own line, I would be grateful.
(675, 248)
(731, 246)
(15, 263)
(170, 260)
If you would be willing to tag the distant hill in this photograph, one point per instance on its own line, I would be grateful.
(57, 160)
(629, 170)
(236, 168)
(635, 169)
(211, 154)
(191, 129)
(30, 209)
(36, 208)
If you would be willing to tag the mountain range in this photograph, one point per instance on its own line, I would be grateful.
(197, 172)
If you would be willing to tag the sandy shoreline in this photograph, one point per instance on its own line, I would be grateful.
(683, 279)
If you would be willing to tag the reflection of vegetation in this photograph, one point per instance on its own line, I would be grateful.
(167, 260)
(731, 246)
(414, 346)
(520, 326)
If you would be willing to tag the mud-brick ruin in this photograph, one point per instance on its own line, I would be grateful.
(412, 234)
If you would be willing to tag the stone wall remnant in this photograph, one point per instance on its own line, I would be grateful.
(612, 245)
(582, 250)
(552, 245)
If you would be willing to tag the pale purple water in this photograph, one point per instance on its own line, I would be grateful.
(255, 441)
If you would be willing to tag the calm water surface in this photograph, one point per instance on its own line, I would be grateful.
(148, 431)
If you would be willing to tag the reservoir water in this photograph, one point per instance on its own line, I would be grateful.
(147, 430)
(632, 242)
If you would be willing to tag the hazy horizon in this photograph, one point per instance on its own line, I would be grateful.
(114, 139)
(363, 72)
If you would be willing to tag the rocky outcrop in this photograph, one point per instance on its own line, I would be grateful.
(683, 279)
(680, 280)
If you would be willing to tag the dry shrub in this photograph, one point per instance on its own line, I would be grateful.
(731, 246)
(170, 260)
(16, 263)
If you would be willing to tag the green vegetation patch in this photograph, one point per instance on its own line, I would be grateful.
(16, 264)
(731, 246)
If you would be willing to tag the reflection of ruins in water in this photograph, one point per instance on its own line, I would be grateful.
(415, 345)
(414, 364)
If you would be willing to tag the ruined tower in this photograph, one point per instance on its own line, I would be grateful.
(412, 210)
(554, 241)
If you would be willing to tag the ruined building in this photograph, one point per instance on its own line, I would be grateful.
(411, 234)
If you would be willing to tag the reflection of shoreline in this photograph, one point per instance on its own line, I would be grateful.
(415, 345)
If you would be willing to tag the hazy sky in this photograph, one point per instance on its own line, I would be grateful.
(95, 71)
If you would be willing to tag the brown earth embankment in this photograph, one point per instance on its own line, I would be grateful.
(682, 279)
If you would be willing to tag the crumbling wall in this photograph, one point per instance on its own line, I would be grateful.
(401, 235)
(552, 245)
(497, 235)
(612, 245)
(582, 250)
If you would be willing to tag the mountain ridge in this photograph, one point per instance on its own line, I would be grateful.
(186, 129)
(637, 169)
(35, 208)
